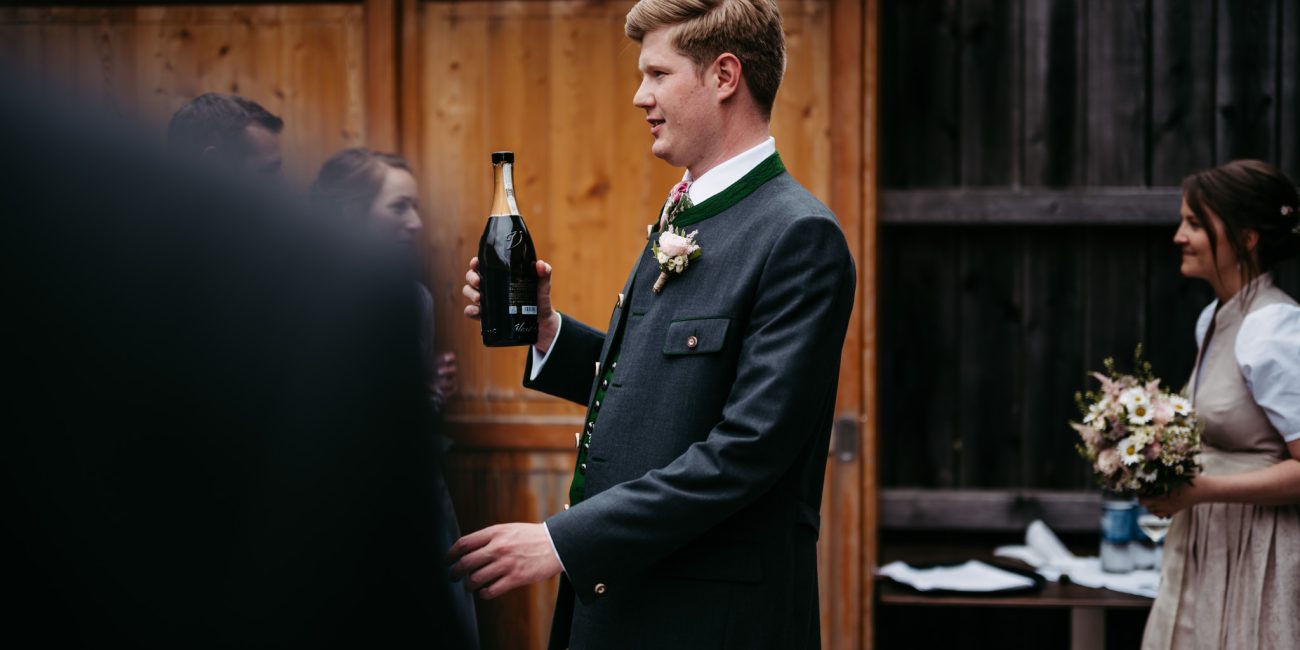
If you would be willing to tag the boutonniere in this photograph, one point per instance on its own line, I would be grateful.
(674, 252)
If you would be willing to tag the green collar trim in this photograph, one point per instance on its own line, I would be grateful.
(770, 168)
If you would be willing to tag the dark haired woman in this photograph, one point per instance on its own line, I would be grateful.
(1231, 572)
(379, 190)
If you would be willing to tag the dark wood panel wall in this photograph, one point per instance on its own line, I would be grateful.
(1066, 93)
(1031, 154)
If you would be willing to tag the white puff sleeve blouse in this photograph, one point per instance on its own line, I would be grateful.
(1268, 354)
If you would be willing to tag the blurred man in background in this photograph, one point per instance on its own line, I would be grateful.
(227, 131)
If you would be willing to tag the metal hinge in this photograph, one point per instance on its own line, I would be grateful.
(846, 437)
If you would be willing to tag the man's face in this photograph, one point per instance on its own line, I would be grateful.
(683, 114)
(260, 151)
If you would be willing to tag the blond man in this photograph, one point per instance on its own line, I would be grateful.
(699, 470)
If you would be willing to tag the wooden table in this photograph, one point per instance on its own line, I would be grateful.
(1087, 606)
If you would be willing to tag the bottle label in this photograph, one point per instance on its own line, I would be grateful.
(529, 310)
(523, 294)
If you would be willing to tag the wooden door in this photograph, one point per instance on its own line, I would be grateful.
(553, 82)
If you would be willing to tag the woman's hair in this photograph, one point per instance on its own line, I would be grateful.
(1248, 195)
(349, 181)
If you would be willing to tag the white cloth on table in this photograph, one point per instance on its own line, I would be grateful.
(1045, 552)
(972, 576)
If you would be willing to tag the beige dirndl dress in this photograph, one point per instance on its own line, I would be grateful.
(1231, 572)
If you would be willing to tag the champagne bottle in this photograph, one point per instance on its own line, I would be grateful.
(507, 264)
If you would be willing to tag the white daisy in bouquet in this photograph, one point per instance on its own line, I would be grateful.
(1137, 436)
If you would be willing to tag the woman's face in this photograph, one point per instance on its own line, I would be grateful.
(1198, 256)
(396, 207)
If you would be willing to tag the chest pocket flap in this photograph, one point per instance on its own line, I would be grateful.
(696, 336)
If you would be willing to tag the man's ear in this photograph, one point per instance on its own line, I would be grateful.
(727, 71)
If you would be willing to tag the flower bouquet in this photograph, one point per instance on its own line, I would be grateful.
(1137, 437)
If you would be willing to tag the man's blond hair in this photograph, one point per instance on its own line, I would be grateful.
(701, 30)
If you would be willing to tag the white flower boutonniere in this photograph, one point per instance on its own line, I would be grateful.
(674, 252)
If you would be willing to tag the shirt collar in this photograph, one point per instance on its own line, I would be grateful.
(733, 169)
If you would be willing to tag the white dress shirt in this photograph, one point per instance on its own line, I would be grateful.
(708, 185)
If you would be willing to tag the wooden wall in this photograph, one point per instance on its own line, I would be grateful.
(303, 62)
(1031, 157)
(446, 82)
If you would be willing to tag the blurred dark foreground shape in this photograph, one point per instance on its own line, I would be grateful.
(215, 432)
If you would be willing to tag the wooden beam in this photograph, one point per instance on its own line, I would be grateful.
(1100, 206)
(989, 510)
(381, 74)
(409, 116)
(513, 434)
(869, 281)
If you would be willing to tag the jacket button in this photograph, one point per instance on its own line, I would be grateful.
(693, 342)
(600, 589)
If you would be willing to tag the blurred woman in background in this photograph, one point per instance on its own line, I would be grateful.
(379, 190)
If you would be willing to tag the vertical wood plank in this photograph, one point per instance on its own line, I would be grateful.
(919, 93)
(1053, 283)
(1247, 82)
(990, 92)
(1117, 92)
(1054, 112)
(1116, 295)
(1289, 91)
(410, 115)
(990, 357)
(1182, 89)
(381, 74)
(841, 569)
(920, 346)
(869, 287)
